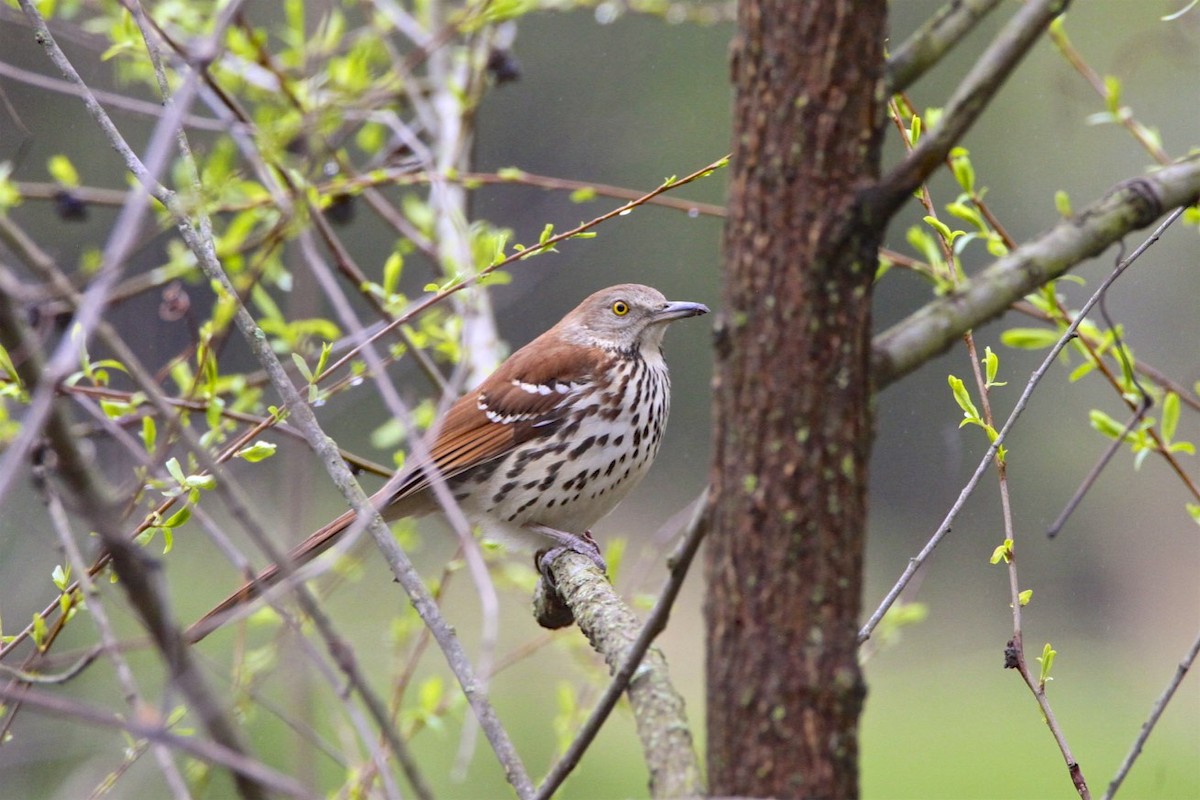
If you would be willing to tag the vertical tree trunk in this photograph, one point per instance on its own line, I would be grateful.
(788, 508)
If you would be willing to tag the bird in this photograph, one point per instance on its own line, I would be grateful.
(545, 447)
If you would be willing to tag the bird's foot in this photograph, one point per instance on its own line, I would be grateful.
(550, 610)
(584, 544)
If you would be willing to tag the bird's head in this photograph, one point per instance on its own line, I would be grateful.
(628, 317)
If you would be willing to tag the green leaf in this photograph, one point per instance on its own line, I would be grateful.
(510, 174)
(175, 470)
(256, 452)
(179, 518)
(885, 264)
(10, 194)
(1003, 553)
(1082, 370)
(1047, 661)
(1029, 338)
(61, 577)
(39, 631)
(964, 173)
(1062, 203)
(1105, 424)
(200, 482)
(298, 360)
(991, 366)
(583, 194)
(114, 409)
(1112, 94)
(963, 398)
(1193, 510)
(63, 171)
(149, 433)
(1024, 597)
(496, 277)
(430, 693)
(1170, 416)
(967, 213)
(391, 271)
(939, 226)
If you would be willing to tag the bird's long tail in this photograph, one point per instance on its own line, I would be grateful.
(320, 541)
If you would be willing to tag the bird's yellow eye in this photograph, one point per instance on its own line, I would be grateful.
(620, 308)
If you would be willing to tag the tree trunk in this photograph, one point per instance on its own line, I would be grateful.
(792, 401)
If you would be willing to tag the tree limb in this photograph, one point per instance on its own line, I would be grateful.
(1128, 206)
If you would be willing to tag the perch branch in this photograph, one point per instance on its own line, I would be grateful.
(615, 633)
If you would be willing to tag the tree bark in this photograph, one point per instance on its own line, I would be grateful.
(792, 401)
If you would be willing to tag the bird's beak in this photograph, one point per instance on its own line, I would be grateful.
(679, 310)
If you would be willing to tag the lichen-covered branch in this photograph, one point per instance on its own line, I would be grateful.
(613, 629)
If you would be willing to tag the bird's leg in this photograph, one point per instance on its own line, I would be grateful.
(584, 544)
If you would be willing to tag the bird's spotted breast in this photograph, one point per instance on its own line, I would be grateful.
(568, 480)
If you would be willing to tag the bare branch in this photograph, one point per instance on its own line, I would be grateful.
(1156, 711)
(202, 749)
(925, 48)
(966, 105)
(614, 632)
(112, 99)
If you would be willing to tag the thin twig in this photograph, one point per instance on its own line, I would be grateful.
(1088, 480)
(155, 731)
(112, 99)
(973, 95)
(1015, 653)
(99, 614)
(1156, 712)
(425, 303)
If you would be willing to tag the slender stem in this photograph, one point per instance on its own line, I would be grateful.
(1156, 712)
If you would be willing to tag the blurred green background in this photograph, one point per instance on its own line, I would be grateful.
(629, 102)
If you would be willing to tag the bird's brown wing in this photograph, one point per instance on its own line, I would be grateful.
(526, 398)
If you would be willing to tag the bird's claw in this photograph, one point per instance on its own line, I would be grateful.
(584, 544)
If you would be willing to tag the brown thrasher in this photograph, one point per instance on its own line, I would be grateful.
(547, 445)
